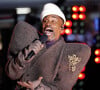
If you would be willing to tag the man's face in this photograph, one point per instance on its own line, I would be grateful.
(52, 26)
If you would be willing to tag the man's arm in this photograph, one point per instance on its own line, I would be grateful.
(17, 65)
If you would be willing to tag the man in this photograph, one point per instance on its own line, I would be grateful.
(56, 64)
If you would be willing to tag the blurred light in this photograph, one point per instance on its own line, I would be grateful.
(23, 10)
(82, 24)
(68, 23)
(75, 31)
(81, 89)
(97, 52)
(97, 45)
(82, 16)
(82, 31)
(81, 76)
(94, 40)
(80, 37)
(81, 83)
(83, 69)
(68, 31)
(1, 45)
(68, 16)
(75, 16)
(96, 24)
(71, 37)
(75, 23)
(98, 37)
(97, 60)
(75, 8)
(68, 9)
(82, 8)
(84, 43)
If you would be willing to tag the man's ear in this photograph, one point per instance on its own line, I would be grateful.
(62, 27)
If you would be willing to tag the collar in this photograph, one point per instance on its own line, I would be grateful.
(50, 43)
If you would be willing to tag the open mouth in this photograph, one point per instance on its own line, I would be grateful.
(48, 31)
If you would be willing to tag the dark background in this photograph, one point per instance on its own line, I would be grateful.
(9, 18)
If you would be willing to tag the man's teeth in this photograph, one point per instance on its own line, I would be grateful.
(47, 32)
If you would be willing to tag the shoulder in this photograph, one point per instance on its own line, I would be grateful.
(83, 45)
(77, 47)
(76, 55)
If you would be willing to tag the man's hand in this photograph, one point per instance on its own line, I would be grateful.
(35, 47)
(30, 85)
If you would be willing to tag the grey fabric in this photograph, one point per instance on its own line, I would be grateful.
(59, 65)
(23, 35)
